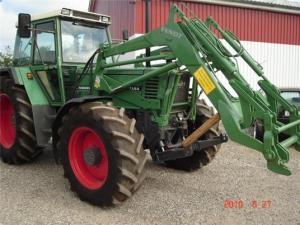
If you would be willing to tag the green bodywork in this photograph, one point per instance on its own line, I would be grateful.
(188, 46)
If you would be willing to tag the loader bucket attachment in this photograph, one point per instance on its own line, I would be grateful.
(251, 106)
(240, 113)
(193, 44)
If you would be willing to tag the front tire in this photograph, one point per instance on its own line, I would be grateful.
(17, 135)
(102, 153)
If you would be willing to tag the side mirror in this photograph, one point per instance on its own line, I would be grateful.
(125, 35)
(24, 21)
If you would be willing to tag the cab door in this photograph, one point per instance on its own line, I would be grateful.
(45, 65)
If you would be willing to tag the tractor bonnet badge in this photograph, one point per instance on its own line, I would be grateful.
(171, 32)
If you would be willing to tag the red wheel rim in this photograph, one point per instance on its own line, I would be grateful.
(90, 176)
(7, 122)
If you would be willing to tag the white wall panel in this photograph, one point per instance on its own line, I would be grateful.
(281, 63)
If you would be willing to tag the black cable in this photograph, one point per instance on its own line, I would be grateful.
(88, 67)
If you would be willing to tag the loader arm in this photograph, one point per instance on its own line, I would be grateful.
(192, 44)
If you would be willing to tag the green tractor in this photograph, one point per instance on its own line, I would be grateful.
(106, 116)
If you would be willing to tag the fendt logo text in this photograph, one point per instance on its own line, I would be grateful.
(171, 32)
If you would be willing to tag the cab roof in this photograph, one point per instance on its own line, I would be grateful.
(76, 14)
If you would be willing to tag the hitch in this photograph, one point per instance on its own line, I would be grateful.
(200, 131)
(176, 152)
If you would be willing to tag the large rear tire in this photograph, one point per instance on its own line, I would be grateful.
(205, 156)
(17, 135)
(102, 153)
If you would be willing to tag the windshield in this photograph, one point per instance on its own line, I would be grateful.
(79, 42)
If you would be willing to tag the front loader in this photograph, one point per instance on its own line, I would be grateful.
(104, 115)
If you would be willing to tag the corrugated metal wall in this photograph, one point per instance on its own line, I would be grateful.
(248, 24)
(272, 38)
(122, 14)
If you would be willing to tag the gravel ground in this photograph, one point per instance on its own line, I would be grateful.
(37, 193)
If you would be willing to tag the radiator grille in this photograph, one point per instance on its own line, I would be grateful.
(183, 88)
(151, 88)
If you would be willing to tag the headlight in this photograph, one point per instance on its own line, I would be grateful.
(66, 12)
(105, 19)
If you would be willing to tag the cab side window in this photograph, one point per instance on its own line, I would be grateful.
(44, 52)
(22, 51)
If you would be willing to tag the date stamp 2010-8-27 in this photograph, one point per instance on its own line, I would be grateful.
(239, 204)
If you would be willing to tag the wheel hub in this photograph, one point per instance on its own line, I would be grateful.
(88, 157)
(92, 156)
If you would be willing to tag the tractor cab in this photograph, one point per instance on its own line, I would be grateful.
(58, 45)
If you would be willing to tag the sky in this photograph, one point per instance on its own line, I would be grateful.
(9, 10)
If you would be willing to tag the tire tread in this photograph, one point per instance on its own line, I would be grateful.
(25, 147)
(125, 141)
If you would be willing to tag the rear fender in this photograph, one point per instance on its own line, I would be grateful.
(41, 110)
(11, 72)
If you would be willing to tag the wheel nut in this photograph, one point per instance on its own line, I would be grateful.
(92, 156)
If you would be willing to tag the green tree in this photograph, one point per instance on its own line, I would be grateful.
(6, 57)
